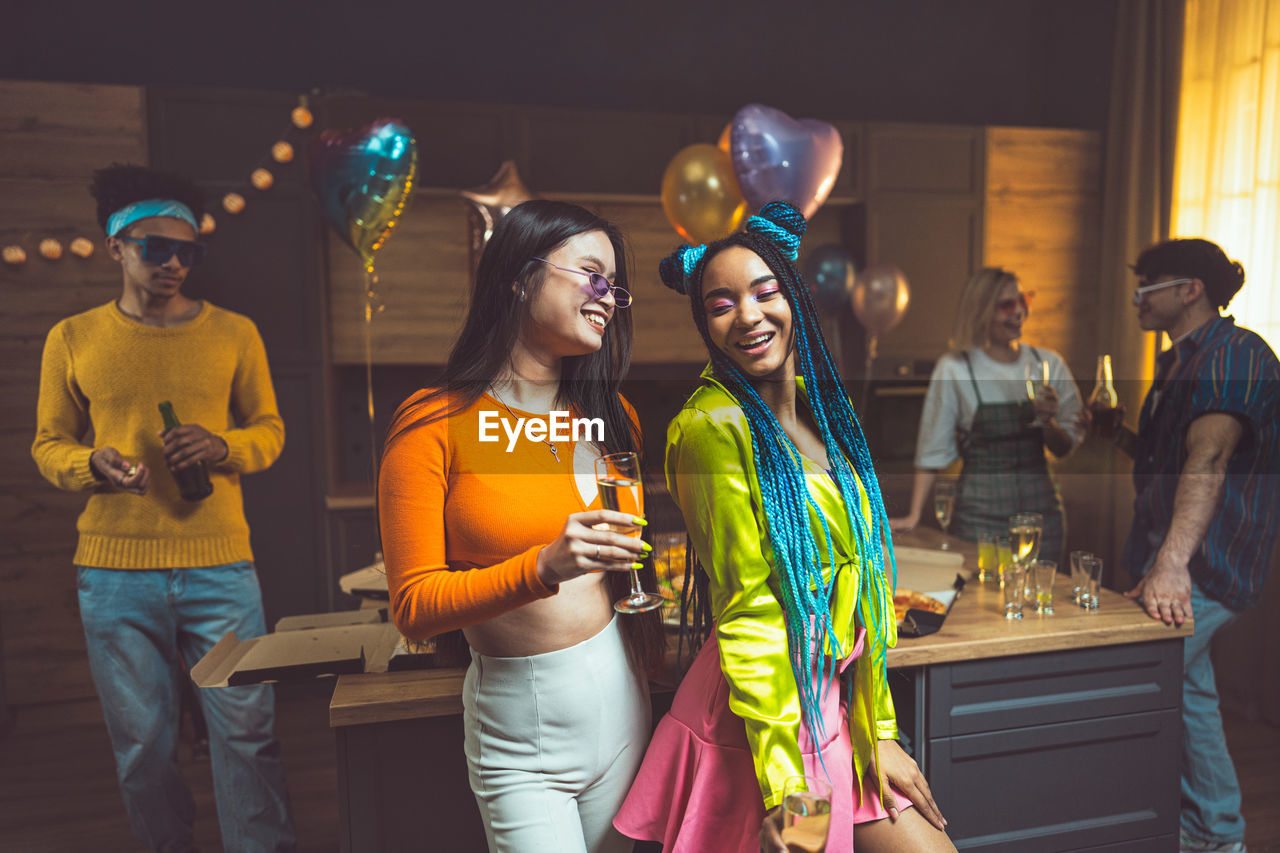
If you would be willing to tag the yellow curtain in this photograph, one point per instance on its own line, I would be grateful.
(1227, 178)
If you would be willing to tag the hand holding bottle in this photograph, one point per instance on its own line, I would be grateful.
(189, 449)
(110, 465)
(188, 444)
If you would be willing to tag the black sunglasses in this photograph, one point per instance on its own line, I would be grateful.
(158, 250)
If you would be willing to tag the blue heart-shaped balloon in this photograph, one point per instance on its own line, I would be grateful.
(363, 178)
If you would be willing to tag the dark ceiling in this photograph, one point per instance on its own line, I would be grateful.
(1025, 62)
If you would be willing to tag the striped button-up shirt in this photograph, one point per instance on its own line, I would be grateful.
(1219, 367)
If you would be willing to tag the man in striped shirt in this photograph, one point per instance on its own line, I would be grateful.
(1206, 457)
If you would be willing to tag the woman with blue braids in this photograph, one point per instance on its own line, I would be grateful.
(792, 563)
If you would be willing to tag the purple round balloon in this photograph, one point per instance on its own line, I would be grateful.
(776, 157)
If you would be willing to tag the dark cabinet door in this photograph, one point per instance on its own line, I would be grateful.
(1063, 786)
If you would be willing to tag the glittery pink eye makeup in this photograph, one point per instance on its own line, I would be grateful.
(717, 305)
(766, 292)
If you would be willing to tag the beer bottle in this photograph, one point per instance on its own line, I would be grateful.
(193, 480)
(1104, 402)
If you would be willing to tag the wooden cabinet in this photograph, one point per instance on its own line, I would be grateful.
(943, 201)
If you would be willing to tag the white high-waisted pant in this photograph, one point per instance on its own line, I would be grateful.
(552, 744)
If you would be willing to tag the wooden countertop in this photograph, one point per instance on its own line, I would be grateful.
(975, 628)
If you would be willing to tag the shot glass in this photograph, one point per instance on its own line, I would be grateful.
(1079, 581)
(1092, 567)
(1012, 583)
(988, 561)
(1043, 575)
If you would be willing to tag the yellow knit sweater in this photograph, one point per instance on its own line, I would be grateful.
(102, 377)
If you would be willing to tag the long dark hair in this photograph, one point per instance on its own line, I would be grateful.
(507, 279)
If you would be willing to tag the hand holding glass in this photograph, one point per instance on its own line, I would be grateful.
(806, 814)
(618, 477)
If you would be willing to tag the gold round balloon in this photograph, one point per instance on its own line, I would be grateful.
(880, 297)
(700, 194)
(723, 142)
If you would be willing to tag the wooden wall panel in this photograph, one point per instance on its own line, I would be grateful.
(923, 158)
(1043, 208)
(64, 130)
(1043, 205)
(932, 240)
(424, 283)
(603, 152)
(52, 137)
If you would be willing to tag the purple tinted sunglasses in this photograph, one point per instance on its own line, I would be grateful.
(599, 284)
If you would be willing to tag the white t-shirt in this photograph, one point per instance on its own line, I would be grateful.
(951, 401)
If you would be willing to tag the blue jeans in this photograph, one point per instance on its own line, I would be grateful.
(142, 627)
(1210, 790)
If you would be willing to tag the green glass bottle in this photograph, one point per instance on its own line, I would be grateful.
(193, 480)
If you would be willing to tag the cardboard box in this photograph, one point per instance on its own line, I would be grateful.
(311, 646)
(939, 574)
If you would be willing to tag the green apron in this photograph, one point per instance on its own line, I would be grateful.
(1005, 472)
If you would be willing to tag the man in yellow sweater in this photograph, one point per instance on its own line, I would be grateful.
(161, 579)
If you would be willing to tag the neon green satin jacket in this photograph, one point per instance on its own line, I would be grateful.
(712, 478)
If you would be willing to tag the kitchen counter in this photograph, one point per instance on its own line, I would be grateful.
(1015, 722)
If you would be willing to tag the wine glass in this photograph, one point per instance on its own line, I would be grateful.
(806, 814)
(944, 501)
(1036, 377)
(1025, 529)
(618, 478)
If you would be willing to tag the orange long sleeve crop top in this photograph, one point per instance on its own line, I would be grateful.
(463, 520)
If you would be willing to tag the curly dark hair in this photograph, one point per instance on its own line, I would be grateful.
(1194, 258)
(118, 186)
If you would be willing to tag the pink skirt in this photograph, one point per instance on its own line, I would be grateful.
(697, 791)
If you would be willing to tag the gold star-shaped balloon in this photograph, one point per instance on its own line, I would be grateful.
(489, 203)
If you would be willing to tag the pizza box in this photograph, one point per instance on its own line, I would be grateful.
(368, 582)
(935, 573)
(311, 646)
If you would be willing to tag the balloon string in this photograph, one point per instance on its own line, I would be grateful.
(370, 297)
(866, 377)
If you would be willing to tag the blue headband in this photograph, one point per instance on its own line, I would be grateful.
(126, 216)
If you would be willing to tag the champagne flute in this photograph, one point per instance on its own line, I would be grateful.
(1025, 529)
(1031, 373)
(944, 501)
(806, 814)
(618, 478)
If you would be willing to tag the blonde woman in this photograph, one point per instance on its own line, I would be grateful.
(977, 410)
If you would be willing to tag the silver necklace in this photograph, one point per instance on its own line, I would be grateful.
(494, 393)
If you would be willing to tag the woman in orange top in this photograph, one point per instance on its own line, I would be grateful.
(490, 527)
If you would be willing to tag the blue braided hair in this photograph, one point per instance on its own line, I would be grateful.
(774, 235)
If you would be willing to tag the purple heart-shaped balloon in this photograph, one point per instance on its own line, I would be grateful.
(776, 157)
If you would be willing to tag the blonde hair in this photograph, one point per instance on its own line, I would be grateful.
(977, 305)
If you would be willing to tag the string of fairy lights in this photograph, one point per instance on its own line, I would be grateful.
(49, 245)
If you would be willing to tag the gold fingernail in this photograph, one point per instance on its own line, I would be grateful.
(637, 566)
(647, 547)
(640, 521)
